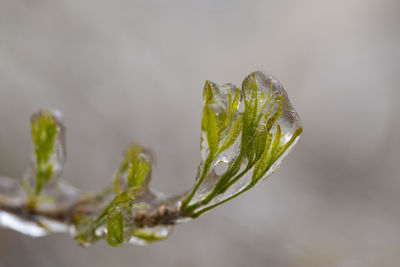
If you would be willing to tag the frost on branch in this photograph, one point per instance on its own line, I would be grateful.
(245, 134)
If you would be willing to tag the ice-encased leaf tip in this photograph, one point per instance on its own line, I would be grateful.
(254, 142)
(49, 152)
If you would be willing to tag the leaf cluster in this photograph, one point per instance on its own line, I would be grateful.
(261, 141)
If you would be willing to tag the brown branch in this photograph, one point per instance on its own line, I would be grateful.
(69, 214)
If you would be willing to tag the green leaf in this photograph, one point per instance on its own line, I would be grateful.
(235, 103)
(115, 226)
(208, 92)
(271, 121)
(44, 131)
(126, 198)
(260, 142)
(261, 164)
(137, 171)
(112, 215)
(275, 146)
(148, 236)
(230, 102)
(211, 129)
(134, 168)
(222, 122)
(233, 135)
(132, 151)
(249, 88)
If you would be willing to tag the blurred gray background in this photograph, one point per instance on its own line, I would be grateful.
(122, 71)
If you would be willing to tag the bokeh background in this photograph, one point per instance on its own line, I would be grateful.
(134, 70)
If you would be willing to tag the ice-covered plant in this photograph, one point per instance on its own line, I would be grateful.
(245, 134)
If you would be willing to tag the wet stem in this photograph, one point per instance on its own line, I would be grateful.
(197, 214)
(207, 165)
(222, 185)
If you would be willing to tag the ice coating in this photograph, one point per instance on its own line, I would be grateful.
(132, 212)
(254, 136)
(245, 135)
(33, 214)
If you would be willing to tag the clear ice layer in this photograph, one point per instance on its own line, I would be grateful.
(245, 135)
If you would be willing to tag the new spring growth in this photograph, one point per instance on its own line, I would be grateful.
(246, 132)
